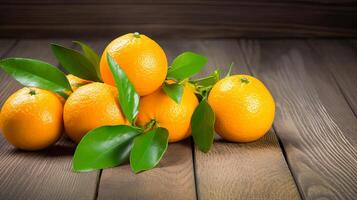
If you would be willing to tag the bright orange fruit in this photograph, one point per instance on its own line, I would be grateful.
(162, 111)
(91, 106)
(31, 118)
(243, 106)
(141, 58)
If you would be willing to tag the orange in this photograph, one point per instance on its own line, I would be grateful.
(160, 109)
(91, 106)
(76, 82)
(31, 118)
(141, 58)
(243, 106)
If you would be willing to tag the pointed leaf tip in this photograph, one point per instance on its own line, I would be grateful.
(202, 123)
(75, 63)
(36, 73)
(104, 147)
(148, 149)
(128, 98)
(186, 65)
(174, 91)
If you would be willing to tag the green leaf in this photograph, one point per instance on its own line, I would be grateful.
(75, 63)
(205, 84)
(128, 98)
(104, 147)
(208, 81)
(186, 65)
(148, 149)
(174, 91)
(202, 124)
(91, 55)
(230, 69)
(36, 73)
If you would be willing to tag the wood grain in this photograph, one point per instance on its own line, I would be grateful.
(340, 57)
(45, 174)
(172, 179)
(313, 121)
(185, 19)
(237, 171)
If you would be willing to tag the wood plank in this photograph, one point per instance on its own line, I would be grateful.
(340, 57)
(278, 19)
(172, 179)
(313, 121)
(44, 174)
(5, 46)
(231, 170)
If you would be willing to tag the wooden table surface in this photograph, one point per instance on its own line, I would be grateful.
(309, 153)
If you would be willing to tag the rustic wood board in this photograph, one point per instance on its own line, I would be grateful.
(259, 18)
(172, 179)
(314, 86)
(5, 46)
(45, 174)
(313, 120)
(340, 57)
(237, 171)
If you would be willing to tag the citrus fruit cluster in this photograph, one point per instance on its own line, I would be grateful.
(128, 104)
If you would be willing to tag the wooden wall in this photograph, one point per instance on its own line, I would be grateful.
(184, 18)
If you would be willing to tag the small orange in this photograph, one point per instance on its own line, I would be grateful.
(91, 106)
(141, 58)
(164, 112)
(76, 82)
(243, 106)
(31, 118)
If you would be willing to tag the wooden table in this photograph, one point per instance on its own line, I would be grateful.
(310, 152)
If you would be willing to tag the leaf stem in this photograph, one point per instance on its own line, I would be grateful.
(32, 92)
(150, 125)
(183, 81)
(63, 94)
(137, 34)
(230, 69)
(244, 80)
(202, 79)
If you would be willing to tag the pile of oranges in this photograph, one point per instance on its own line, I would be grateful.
(33, 118)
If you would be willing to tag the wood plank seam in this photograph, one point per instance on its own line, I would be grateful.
(273, 126)
(194, 168)
(286, 160)
(98, 184)
(98, 178)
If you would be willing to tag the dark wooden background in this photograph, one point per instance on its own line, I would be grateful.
(179, 18)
